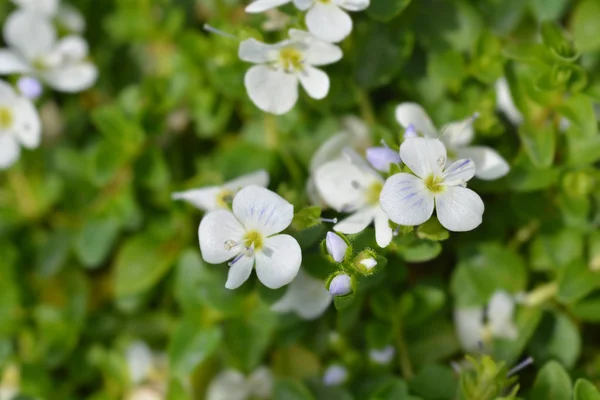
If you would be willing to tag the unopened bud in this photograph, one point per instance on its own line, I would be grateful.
(382, 356)
(336, 246)
(341, 285)
(335, 375)
(30, 87)
(381, 158)
(369, 263)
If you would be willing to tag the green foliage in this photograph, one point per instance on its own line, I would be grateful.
(95, 255)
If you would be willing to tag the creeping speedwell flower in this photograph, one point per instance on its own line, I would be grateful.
(19, 125)
(214, 198)
(273, 84)
(505, 102)
(147, 372)
(456, 136)
(34, 49)
(409, 200)
(306, 296)
(335, 375)
(382, 356)
(66, 15)
(249, 236)
(471, 327)
(350, 185)
(233, 385)
(325, 19)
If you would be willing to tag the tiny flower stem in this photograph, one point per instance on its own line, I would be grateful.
(541, 294)
(366, 108)
(519, 367)
(403, 358)
(219, 32)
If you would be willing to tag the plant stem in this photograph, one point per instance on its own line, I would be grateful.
(403, 358)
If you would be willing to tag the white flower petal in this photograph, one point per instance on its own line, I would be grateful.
(489, 164)
(413, 114)
(264, 5)
(239, 271)
(303, 5)
(205, 198)
(340, 185)
(278, 263)
(500, 313)
(328, 22)
(27, 126)
(9, 150)
(72, 48)
(459, 209)
(215, 229)
(354, 5)
(70, 18)
(228, 385)
(316, 52)
(7, 94)
(423, 156)
(29, 33)
(139, 361)
(260, 383)
(254, 51)
(459, 172)
(307, 296)
(72, 78)
(406, 200)
(356, 222)
(505, 103)
(46, 7)
(258, 178)
(11, 63)
(469, 327)
(260, 209)
(315, 82)
(383, 230)
(271, 90)
(458, 134)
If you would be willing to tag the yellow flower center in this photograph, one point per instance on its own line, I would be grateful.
(253, 239)
(373, 193)
(434, 184)
(6, 118)
(290, 59)
(224, 198)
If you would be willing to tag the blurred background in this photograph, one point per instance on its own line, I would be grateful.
(104, 295)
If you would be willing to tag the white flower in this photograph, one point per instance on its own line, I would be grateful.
(145, 392)
(140, 361)
(473, 331)
(355, 135)
(382, 356)
(505, 103)
(147, 372)
(273, 84)
(233, 385)
(369, 263)
(34, 49)
(409, 200)
(335, 375)
(10, 382)
(306, 296)
(456, 136)
(326, 19)
(214, 198)
(249, 236)
(66, 15)
(350, 185)
(19, 125)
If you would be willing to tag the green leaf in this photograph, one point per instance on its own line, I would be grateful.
(587, 309)
(191, 344)
(548, 9)
(557, 338)
(386, 10)
(552, 383)
(557, 43)
(95, 240)
(432, 230)
(527, 321)
(396, 389)
(585, 390)
(288, 389)
(577, 281)
(120, 130)
(141, 263)
(539, 143)
(435, 382)
(553, 251)
(584, 24)
(579, 109)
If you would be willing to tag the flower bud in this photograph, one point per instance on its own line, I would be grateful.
(30, 87)
(369, 263)
(382, 157)
(341, 285)
(336, 246)
(382, 356)
(335, 375)
(410, 132)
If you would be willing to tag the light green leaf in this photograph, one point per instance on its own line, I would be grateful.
(191, 345)
(552, 383)
(585, 390)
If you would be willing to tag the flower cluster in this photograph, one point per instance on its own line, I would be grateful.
(37, 54)
(272, 84)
